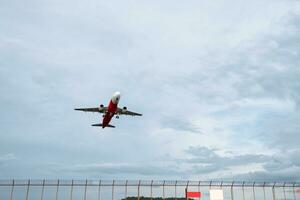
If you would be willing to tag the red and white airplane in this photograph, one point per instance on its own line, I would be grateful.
(110, 111)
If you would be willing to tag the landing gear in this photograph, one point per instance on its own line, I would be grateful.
(117, 117)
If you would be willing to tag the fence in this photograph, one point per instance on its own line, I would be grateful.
(106, 190)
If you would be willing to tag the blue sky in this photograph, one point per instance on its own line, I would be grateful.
(218, 83)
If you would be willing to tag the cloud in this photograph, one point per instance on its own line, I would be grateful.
(6, 158)
(178, 124)
(116, 169)
(282, 166)
(205, 160)
(290, 175)
(199, 162)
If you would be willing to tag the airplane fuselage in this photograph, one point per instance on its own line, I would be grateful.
(111, 109)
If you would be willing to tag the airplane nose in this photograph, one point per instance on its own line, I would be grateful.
(118, 94)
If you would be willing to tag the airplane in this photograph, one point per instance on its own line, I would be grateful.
(109, 111)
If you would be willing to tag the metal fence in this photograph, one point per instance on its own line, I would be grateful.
(116, 189)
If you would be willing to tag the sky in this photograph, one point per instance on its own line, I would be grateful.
(218, 83)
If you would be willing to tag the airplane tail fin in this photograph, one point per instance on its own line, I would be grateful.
(109, 125)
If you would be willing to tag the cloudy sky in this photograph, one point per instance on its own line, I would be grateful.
(218, 83)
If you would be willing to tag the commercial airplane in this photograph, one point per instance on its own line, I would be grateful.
(109, 111)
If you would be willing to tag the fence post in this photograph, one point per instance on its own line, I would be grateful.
(85, 188)
(164, 190)
(151, 189)
(43, 188)
(71, 193)
(12, 190)
(283, 187)
(27, 192)
(139, 189)
(126, 182)
(264, 190)
(186, 189)
(243, 188)
(232, 198)
(113, 190)
(99, 190)
(199, 188)
(56, 196)
(253, 188)
(273, 191)
(294, 191)
(176, 190)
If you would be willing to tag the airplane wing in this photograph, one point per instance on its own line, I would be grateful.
(121, 111)
(97, 109)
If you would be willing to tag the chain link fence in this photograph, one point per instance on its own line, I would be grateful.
(120, 190)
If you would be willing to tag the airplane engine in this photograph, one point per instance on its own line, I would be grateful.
(101, 107)
(124, 109)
